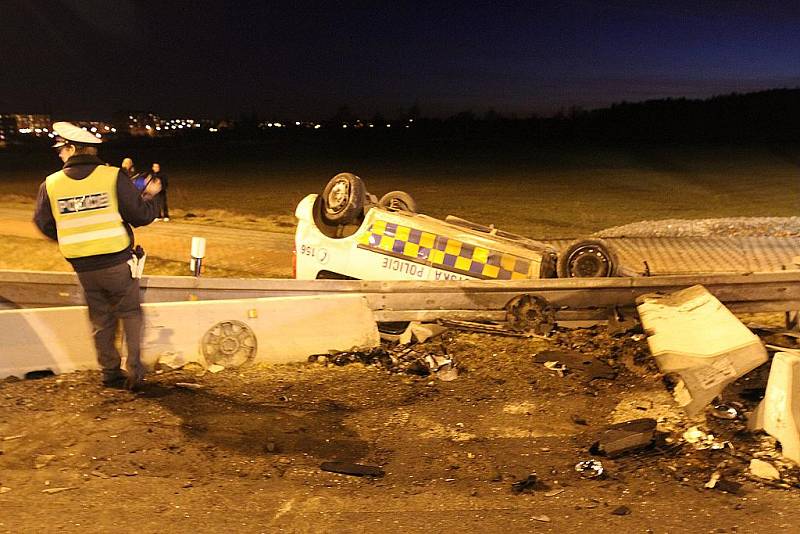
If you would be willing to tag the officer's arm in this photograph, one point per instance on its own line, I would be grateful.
(132, 207)
(43, 216)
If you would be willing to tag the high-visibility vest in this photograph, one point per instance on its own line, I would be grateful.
(87, 213)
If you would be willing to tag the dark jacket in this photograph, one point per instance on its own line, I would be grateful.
(134, 211)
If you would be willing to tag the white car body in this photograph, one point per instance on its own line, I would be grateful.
(400, 245)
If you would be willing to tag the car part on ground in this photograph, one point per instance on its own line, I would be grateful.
(587, 258)
(531, 313)
(343, 199)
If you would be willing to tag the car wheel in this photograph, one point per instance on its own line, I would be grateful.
(398, 200)
(343, 199)
(587, 258)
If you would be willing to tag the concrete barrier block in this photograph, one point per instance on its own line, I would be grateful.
(691, 333)
(225, 332)
(778, 414)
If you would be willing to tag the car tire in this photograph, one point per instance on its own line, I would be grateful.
(587, 258)
(398, 201)
(343, 199)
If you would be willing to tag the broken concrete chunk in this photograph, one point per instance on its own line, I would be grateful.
(422, 332)
(764, 470)
(621, 438)
(779, 413)
(691, 334)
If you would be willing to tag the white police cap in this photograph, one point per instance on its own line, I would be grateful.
(68, 133)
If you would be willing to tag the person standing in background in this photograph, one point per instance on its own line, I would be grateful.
(156, 173)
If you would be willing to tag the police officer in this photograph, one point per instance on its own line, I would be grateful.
(89, 208)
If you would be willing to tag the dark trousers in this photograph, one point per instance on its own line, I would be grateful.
(164, 208)
(112, 295)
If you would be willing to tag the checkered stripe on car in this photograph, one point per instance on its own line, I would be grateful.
(442, 252)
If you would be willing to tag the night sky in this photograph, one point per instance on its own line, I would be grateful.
(86, 58)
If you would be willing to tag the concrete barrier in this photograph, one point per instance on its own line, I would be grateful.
(227, 332)
(692, 334)
(778, 414)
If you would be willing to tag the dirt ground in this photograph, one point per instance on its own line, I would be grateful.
(243, 452)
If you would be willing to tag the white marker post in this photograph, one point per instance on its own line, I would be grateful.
(198, 253)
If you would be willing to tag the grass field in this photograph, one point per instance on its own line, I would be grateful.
(539, 192)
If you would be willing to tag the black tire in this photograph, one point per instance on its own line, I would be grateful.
(587, 258)
(343, 199)
(398, 200)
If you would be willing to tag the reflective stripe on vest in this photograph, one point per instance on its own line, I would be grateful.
(87, 213)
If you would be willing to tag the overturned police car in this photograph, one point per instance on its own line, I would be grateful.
(348, 233)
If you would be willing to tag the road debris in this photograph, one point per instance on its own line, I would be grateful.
(541, 518)
(592, 367)
(590, 468)
(189, 385)
(486, 328)
(621, 438)
(529, 484)
(765, 470)
(692, 335)
(621, 510)
(347, 468)
(42, 460)
(724, 411)
(58, 490)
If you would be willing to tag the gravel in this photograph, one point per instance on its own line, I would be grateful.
(723, 227)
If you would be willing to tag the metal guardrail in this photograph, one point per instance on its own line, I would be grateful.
(572, 299)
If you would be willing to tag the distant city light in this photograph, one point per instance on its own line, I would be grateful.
(212, 130)
(317, 126)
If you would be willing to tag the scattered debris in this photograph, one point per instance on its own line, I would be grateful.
(189, 385)
(621, 438)
(215, 368)
(578, 420)
(422, 332)
(485, 328)
(621, 510)
(10, 438)
(720, 484)
(4, 489)
(43, 459)
(541, 518)
(590, 468)
(592, 367)
(558, 367)
(693, 335)
(100, 474)
(724, 411)
(618, 324)
(347, 468)
(529, 483)
(764, 470)
(702, 440)
(554, 492)
(58, 490)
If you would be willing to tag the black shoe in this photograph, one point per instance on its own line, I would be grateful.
(134, 382)
(116, 381)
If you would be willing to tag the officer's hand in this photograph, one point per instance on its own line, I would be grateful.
(152, 188)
